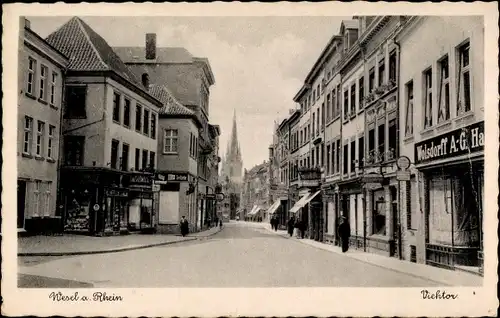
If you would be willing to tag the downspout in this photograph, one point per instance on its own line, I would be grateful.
(398, 82)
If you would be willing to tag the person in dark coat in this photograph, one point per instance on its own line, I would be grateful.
(302, 228)
(184, 224)
(291, 225)
(344, 233)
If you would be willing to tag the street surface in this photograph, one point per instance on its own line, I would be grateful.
(238, 256)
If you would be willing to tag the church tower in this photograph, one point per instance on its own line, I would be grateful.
(232, 166)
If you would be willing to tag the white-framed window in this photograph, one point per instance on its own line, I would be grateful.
(47, 198)
(36, 198)
(50, 142)
(170, 141)
(464, 79)
(53, 89)
(428, 98)
(28, 134)
(39, 138)
(444, 90)
(43, 82)
(409, 109)
(30, 87)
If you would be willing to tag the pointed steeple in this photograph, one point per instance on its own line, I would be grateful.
(233, 150)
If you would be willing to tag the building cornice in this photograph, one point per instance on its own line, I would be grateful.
(39, 45)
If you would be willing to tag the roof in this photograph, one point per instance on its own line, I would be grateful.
(170, 105)
(163, 55)
(350, 24)
(87, 50)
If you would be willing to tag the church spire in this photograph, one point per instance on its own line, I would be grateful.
(233, 150)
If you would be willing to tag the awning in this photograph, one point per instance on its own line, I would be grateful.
(254, 211)
(310, 197)
(274, 207)
(299, 204)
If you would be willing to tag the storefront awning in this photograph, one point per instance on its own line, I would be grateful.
(274, 207)
(311, 197)
(253, 211)
(299, 204)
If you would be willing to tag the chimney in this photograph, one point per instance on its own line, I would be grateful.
(27, 23)
(150, 46)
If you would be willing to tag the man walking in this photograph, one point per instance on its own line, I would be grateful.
(184, 226)
(291, 225)
(344, 233)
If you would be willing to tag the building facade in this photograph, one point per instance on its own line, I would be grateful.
(188, 79)
(110, 136)
(255, 194)
(41, 75)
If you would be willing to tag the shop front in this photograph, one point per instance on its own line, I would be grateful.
(452, 169)
(143, 203)
(350, 196)
(331, 213)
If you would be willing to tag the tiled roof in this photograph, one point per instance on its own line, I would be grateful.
(170, 105)
(87, 50)
(163, 55)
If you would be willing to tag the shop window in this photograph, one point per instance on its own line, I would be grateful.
(137, 159)
(392, 66)
(379, 213)
(444, 91)
(114, 154)
(73, 150)
(346, 159)
(409, 109)
(126, 113)
(138, 118)
(464, 79)
(116, 107)
(381, 142)
(361, 151)
(371, 80)
(353, 156)
(428, 98)
(124, 159)
(75, 102)
(393, 140)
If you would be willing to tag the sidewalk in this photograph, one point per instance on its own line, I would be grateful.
(438, 275)
(70, 244)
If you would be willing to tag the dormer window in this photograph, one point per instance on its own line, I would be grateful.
(145, 80)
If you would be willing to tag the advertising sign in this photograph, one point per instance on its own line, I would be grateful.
(458, 142)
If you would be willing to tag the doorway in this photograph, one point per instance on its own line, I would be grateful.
(21, 203)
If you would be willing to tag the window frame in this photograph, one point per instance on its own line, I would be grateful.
(116, 107)
(147, 121)
(30, 86)
(28, 135)
(410, 97)
(427, 92)
(53, 84)
(73, 112)
(115, 164)
(152, 133)
(169, 135)
(444, 90)
(40, 132)
(42, 87)
(127, 103)
(462, 70)
(138, 117)
(50, 141)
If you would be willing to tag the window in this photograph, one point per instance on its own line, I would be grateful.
(346, 103)
(138, 117)
(337, 164)
(53, 88)
(371, 80)
(371, 142)
(170, 141)
(125, 152)
(301, 140)
(137, 159)
(361, 94)
(378, 226)
(409, 109)
(464, 83)
(116, 107)
(322, 115)
(313, 122)
(318, 91)
(392, 67)
(50, 141)
(313, 157)
(334, 103)
(317, 122)
(428, 98)
(328, 108)
(39, 138)
(28, 134)
(73, 150)
(314, 96)
(47, 198)
(75, 101)
(31, 76)
(318, 156)
(191, 144)
(43, 82)
(444, 91)
(393, 140)
(381, 71)
(114, 153)
(353, 156)
(381, 141)
(36, 197)
(353, 99)
(346, 159)
(339, 97)
(153, 125)
(333, 157)
(146, 121)
(328, 160)
(126, 113)
(361, 151)
(152, 159)
(144, 159)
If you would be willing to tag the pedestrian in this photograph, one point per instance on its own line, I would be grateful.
(297, 230)
(302, 228)
(344, 233)
(184, 224)
(291, 225)
(220, 224)
(275, 224)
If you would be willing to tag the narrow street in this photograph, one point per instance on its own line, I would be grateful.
(238, 256)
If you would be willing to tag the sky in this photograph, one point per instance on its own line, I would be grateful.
(259, 63)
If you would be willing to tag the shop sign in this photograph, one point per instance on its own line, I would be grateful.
(140, 180)
(116, 193)
(177, 177)
(403, 175)
(160, 179)
(461, 141)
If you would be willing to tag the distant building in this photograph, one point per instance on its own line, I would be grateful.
(255, 193)
(110, 132)
(41, 74)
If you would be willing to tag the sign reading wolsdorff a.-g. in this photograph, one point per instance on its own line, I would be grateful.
(458, 142)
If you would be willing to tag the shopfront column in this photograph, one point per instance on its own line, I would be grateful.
(389, 226)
